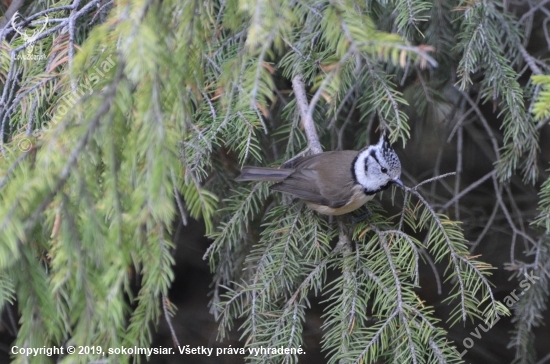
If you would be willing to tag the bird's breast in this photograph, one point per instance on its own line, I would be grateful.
(358, 198)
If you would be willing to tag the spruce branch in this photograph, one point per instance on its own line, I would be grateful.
(65, 172)
(457, 258)
(206, 81)
(385, 101)
(437, 351)
(376, 337)
(480, 41)
(404, 320)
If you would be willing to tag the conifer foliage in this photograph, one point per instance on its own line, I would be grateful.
(119, 117)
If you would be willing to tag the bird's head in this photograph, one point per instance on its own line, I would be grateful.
(377, 166)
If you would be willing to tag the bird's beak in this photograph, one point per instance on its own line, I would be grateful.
(398, 182)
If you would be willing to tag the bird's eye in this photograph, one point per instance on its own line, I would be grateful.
(383, 170)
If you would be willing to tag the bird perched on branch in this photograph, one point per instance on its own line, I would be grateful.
(334, 183)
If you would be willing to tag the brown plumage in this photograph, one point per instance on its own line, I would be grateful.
(334, 183)
(320, 188)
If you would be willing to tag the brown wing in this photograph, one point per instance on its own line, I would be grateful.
(324, 179)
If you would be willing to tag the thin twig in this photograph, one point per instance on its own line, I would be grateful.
(486, 228)
(179, 202)
(460, 144)
(532, 10)
(507, 213)
(431, 263)
(472, 186)
(415, 188)
(545, 359)
(168, 319)
(483, 121)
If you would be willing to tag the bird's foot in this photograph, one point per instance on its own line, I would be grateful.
(362, 217)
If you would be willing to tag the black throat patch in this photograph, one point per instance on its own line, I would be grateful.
(385, 187)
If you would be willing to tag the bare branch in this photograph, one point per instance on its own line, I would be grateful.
(307, 114)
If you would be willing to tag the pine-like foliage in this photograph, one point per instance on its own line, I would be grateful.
(127, 115)
(87, 205)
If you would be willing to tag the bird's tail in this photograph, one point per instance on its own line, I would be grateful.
(263, 174)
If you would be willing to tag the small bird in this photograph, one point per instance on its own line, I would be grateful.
(334, 183)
